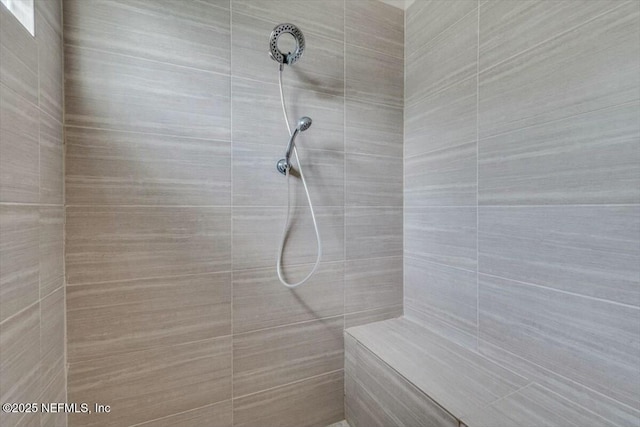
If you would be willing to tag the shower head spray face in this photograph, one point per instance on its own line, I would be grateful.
(288, 58)
(304, 123)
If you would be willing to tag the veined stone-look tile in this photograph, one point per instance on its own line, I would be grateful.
(373, 76)
(120, 243)
(564, 76)
(373, 128)
(257, 234)
(277, 356)
(19, 257)
(445, 235)
(321, 67)
(373, 181)
(149, 384)
(261, 301)
(106, 167)
(373, 284)
(111, 318)
(190, 34)
(373, 232)
(376, 26)
(313, 402)
(590, 341)
(116, 92)
(588, 250)
(258, 117)
(592, 158)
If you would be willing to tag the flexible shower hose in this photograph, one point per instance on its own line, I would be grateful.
(306, 190)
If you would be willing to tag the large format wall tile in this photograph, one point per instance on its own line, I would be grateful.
(273, 357)
(19, 257)
(52, 337)
(258, 118)
(447, 59)
(216, 415)
(321, 67)
(107, 167)
(375, 25)
(588, 250)
(590, 158)
(260, 301)
(604, 406)
(564, 77)
(119, 243)
(20, 362)
(313, 402)
(324, 17)
(508, 28)
(445, 177)
(442, 292)
(257, 234)
(425, 20)
(191, 34)
(51, 249)
(443, 235)
(19, 57)
(379, 396)
(149, 384)
(116, 92)
(148, 313)
(373, 76)
(372, 128)
(372, 284)
(51, 160)
(50, 68)
(534, 405)
(587, 340)
(19, 148)
(374, 315)
(442, 120)
(373, 232)
(257, 182)
(373, 181)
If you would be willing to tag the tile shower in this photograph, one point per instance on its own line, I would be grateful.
(474, 166)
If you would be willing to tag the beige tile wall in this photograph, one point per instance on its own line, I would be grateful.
(175, 209)
(32, 300)
(522, 189)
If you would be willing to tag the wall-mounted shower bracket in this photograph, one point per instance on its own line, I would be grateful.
(283, 166)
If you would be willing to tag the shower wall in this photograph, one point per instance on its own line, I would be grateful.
(175, 210)
(522, 188)
(32, 313)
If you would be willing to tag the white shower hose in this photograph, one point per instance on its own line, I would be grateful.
(306, 190)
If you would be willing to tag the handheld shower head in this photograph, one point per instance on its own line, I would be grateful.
(284, 164)
(304, 123)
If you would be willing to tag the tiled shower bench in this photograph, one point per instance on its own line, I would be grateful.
(398, 373)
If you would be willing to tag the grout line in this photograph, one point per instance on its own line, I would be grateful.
(344, 172)
(155, 61)
(445, 148)
(477, 177)
(286, 325)
(521, 283)
(288, 384)
(404, 156)
(435, 37)
(231, 194)
(557, 36)
(562, 119)
(439, 90)
(549, 374)
(142, 424)
(170, 135)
